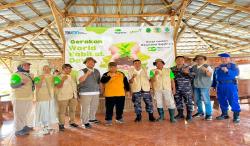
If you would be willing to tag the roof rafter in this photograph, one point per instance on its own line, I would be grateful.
(14, 4)
(230, 6)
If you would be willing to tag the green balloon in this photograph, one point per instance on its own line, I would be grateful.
(15, 79)
(151, 74)
(37, 80)
(172, 76)
(57, 80)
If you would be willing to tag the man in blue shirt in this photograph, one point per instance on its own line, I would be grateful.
(224, 81)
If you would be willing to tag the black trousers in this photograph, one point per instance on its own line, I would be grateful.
(118, 102)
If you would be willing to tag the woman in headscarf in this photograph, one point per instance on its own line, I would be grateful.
(45, 105)
(23, 87)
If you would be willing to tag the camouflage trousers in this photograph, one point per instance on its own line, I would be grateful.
(186, 96)
(147, 98)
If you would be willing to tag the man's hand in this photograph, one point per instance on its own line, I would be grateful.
(89, 73)
(186, 70)
(156, 72)
(224, 69)
(127, 94)
(64, 78)
(204, 69)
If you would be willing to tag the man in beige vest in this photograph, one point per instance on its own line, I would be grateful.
(140, 87)
(22, 99)
(66, 97)
(163, 87)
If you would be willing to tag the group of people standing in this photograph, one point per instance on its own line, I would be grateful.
(171, 87)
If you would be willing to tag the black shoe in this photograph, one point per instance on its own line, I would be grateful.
(138, 118)
(208, 118)
(180, 115)
(222, 117)
(61, 127)
(94, 121)
(73, 125)
(236, 117)
(28, 129)
(87, 126)
(151, 117)
(198, 115)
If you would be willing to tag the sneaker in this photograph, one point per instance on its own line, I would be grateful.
(21, 133)
(45, 131)
(120, 121)
(28, 129)
(108, 123)
(87, 126)
(73, 125)
(198, 115)
(61, 127)
(222, 117)
(208, 118)
(94, 121)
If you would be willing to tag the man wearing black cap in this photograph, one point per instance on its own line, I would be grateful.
(66, 97)
(225, 83)
(116, 86)
(89, 91)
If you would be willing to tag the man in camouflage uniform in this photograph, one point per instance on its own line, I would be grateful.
(140, 87)
(183, 81)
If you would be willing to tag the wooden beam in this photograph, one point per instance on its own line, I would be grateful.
(57, 20)
(50, 30)
(14, 4)
(230, 6)
(198, 36)
(54, 43)
(177, 26)
(180, 33)
(118, 11)
(24, 22)
(148, 22)
(221, 34)
(113, 4)
(239, 48)
(6, 64)
(115, 15)
(226, 25)
(91, 20)
(69, 5)
(19, 36)
(34, 37)
(12, 47)
(38, 51)
(200, 9)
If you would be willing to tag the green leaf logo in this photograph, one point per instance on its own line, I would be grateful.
(148, 30)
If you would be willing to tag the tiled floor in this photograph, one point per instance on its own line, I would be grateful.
(196, 133)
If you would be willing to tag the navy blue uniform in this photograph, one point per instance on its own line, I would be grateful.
(183, 83)
(226, 85)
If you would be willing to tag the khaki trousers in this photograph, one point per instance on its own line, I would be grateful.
(62, 108)
(89, 106)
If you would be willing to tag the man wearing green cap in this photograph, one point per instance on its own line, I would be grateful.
(163, 87)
